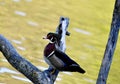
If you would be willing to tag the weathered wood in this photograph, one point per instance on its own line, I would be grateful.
(25, 67)
(111, 45)
(62, 30)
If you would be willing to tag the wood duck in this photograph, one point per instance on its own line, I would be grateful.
(58, 59)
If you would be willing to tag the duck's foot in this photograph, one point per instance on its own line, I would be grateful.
(52, 70)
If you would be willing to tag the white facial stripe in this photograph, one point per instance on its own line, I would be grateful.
(51, 39)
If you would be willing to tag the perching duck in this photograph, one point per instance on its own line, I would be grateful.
(58, 59)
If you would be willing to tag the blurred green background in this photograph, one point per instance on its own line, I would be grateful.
(25, 22)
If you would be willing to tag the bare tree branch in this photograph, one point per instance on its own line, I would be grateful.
(25, 67)
(111, 45)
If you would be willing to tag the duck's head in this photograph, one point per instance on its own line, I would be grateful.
(52, 37)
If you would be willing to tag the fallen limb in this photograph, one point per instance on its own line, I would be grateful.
(25, 67)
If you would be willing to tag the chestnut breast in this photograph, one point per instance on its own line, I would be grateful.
(48, 49)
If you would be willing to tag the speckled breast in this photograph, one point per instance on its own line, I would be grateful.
(48, 49)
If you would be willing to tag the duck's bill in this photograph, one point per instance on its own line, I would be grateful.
(44, 37)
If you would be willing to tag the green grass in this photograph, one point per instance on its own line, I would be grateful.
(93, 16)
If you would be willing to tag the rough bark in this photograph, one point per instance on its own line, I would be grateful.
(25, 67)
(111, 45)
